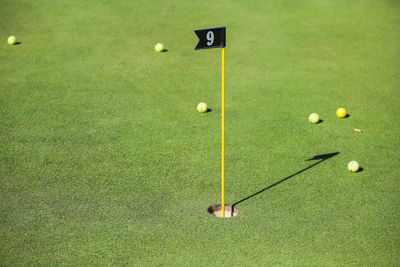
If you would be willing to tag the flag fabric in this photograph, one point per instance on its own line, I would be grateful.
(211, 38)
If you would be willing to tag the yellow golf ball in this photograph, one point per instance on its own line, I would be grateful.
(159, 47)
(12, 40)
(341, 112)
(202, 107)
(353, 166)
(313, 118)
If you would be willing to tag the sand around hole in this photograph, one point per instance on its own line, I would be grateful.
(217, 211)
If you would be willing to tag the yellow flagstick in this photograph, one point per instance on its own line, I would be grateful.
(213, 38)
(223, 134)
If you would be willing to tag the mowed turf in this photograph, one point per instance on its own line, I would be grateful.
(105, 160)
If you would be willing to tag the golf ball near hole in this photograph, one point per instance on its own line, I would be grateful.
(12, 40)
(159, 47)
(313, 118)
(353, 166)
(202, 107)
(341, 112)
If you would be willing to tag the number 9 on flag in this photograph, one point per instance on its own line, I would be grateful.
(211, 38)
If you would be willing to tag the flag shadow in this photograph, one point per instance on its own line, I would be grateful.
(321, 159)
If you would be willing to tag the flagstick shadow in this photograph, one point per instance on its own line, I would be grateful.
(321, 159)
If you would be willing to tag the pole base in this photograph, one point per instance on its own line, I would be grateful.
(217, 211)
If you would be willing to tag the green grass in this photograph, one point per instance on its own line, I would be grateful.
(105, 160)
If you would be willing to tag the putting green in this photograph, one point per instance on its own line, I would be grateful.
(106, 161)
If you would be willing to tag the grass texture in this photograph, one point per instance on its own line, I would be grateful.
(105, 160)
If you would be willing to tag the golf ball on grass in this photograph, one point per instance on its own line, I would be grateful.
(159, 47)
(202, 107)
(353, 166)
(12, 40)
(341, 112)
(313, 118)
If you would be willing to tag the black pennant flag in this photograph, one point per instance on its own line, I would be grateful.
(211, 38)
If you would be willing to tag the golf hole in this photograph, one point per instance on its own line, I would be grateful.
(229, 211)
